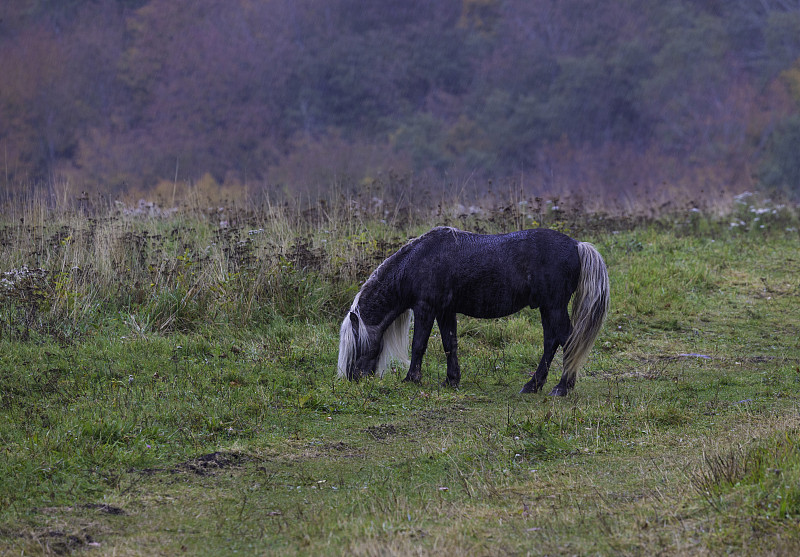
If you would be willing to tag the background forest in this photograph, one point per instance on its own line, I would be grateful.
(647, 100)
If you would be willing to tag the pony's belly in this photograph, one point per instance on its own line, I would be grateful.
(490, 307)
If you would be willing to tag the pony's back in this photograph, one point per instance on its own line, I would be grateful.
(484, 275)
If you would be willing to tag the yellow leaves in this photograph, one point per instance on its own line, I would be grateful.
(481, 15)
(791, 78)
(464, 135)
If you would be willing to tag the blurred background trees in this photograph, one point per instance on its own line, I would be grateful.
(561, 96)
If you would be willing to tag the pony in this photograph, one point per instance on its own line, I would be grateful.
(447, 271)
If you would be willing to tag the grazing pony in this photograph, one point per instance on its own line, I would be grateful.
(447, 271)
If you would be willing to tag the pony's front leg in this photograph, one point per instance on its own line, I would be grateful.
(423, 323)
(447, 326)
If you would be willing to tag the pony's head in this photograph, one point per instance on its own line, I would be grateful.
(369, 349)
(358, 354)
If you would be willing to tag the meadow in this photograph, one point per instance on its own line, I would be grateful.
(168, 386)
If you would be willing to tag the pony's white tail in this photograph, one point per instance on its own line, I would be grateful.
(589, 310)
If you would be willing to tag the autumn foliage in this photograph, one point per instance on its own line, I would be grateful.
(606, 102)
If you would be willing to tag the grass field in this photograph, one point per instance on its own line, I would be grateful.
(167, 386)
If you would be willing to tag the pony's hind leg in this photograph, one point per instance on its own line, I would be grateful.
(447, 326)
(567, 382)
(557, 327)
(423, 323)
(564, 386)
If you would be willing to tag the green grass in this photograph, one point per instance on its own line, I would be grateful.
(197, 411)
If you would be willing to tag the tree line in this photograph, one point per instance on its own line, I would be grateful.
(613, 97)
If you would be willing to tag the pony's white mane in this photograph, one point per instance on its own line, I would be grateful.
(347, 340)
(395, 344)
(395, 339)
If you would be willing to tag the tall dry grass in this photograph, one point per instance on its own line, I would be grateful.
(69, 261)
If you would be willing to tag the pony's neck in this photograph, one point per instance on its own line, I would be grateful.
(380, 299)
(379, 304)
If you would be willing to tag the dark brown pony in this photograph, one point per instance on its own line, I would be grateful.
(447, 271)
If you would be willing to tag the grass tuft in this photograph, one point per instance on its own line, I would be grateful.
(168, 386)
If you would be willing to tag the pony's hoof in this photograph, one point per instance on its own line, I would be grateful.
(530, 387)
(558, 390)
(449, 383)
(409, 379)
